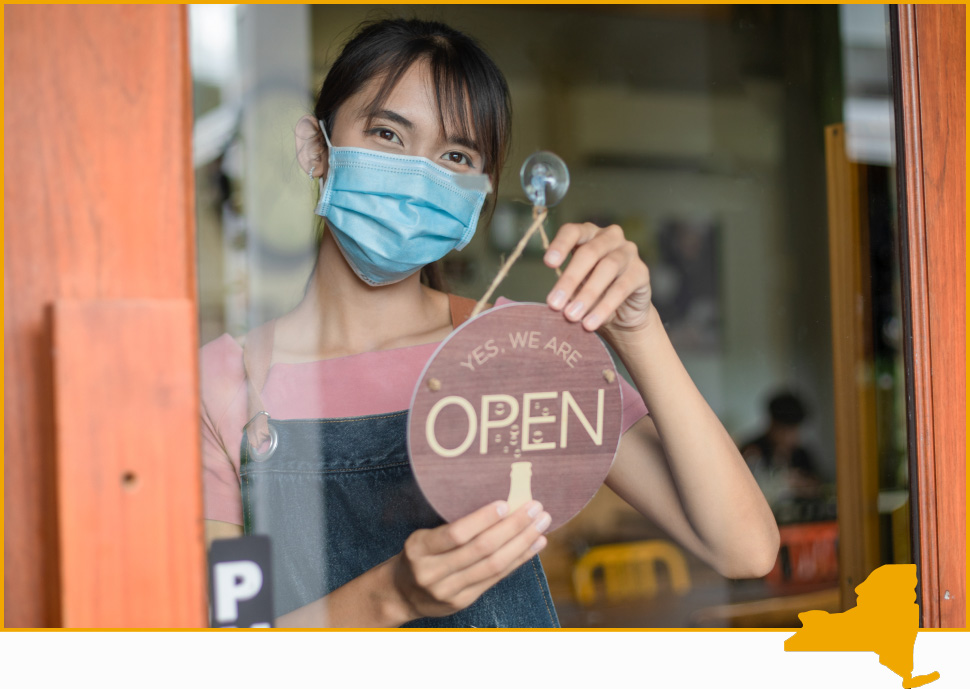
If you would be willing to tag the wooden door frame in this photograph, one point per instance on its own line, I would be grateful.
(929, 74)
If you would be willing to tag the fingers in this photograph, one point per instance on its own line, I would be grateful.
(627, 287)
(494, 554)
(591, 249)
(513, 529)
(461, 531)
(468, 595)
(426, 561)
(569, 237)
(605, 269)
(500, 562)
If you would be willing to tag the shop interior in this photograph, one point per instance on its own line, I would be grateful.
(701, 130)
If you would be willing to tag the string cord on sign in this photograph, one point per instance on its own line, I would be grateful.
(539, 214)
(545, 180)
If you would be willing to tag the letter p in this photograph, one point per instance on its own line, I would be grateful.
(234, 582)
(489, 423)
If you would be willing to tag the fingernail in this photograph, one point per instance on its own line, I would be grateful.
(535, 509)
(502, 508)
(544, 521)
(557, 299)
(592, 321)
(553, 257)
(575, 309)
(539, 544)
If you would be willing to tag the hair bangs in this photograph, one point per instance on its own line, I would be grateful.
(471, 94)
(453, 96)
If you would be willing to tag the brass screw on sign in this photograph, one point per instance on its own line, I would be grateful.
(434, 384)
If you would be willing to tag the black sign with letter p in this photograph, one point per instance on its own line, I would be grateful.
(240, 582)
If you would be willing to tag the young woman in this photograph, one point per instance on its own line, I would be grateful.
(411, 120)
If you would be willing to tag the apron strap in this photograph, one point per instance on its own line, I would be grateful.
(257, 357)
(461, 309)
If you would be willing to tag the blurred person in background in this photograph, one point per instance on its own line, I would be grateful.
(781, 464)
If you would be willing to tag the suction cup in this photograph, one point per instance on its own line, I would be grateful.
(545, 178)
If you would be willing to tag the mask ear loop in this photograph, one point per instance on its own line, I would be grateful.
(323, 130)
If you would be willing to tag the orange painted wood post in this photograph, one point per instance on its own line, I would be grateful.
(933, 107)
(103, 520)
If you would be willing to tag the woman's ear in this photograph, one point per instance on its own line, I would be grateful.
(310, 147)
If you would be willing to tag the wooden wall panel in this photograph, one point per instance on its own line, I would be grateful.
(932, 88)
(97, 205)
(128, 528)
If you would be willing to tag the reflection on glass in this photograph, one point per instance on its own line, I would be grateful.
(701, 132)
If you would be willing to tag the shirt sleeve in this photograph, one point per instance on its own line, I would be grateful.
(222, 499)
(634, 408)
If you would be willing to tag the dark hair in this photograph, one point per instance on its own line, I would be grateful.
(471, 93)
(787, 409)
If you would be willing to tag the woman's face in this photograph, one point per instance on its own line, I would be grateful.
(408, 124)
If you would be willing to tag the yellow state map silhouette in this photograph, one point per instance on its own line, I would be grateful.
(885, 621)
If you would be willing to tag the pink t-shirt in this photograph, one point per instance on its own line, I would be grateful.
(357, 385)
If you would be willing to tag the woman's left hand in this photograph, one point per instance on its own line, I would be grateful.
(605, 283)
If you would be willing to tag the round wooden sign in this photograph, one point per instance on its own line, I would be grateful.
(515, 404)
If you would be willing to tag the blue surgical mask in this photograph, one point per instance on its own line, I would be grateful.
(393, 214)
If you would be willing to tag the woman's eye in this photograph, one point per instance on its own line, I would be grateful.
(458, 158)
(386, 134)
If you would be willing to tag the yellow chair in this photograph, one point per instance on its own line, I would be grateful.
(629, 570)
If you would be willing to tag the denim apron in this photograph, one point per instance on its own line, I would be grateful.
(338, 497)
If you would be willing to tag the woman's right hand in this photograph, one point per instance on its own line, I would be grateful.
(443, 570)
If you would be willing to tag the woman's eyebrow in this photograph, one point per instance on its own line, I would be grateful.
(394, 117)
(458, 140)
(397, 118)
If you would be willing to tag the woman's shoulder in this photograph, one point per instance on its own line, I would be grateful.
(221, 373)
(221, 355)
